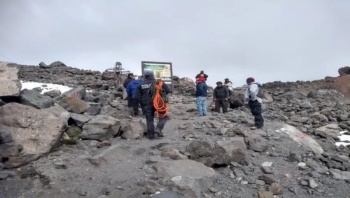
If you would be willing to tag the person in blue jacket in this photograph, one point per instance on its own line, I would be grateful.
(201, 96)
(131, 90)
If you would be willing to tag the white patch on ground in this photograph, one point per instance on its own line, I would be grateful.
(45, 86)
(343, 138)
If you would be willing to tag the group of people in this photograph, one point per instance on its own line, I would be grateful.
(151, 95)
(221, 96)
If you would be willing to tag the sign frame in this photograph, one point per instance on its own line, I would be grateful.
(143, 67)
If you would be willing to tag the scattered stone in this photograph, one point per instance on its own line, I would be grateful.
(173, 154)
(312, 183)
(79, 119)
(60, 165)
(133, 130)
(104, 143)
(265, 194)
(266, 179)
(276, 189)
(53, 93)
(81, 191)
(6, 174)
(74, 105)
(340, 175)
(260, 182)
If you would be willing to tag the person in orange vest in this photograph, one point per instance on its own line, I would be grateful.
(152, 102)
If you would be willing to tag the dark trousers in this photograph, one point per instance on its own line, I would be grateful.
(148, 111)
(255, 108)
(135, 106)
(221, 102)
(129, 102)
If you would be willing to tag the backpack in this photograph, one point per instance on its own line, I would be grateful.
(152, 91)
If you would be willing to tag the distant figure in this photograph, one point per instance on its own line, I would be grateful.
(201, 96)
(128, 79)
(126, 82)
(146, 94)
(203, 75)
(221, 96)
(229, 86)
(131, 90)
(251, 98)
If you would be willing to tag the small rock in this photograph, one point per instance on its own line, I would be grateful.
(266, 164)
(260, 182)
(60, 165)
(312, 183)
(81, 191)
(267, 170)
(1, 166)
(266, 179)
(213, 190)
(6, 174)
(244, 182)
(106, 191)
(266, 194)
(104, 143)
(276, 189)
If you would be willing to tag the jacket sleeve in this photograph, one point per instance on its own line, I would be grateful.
(128, 89)
(205, 89)
(166, 88)
(253, 92)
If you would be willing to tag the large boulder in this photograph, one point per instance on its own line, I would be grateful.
(35, 99)
(35, 131)
(344, 71)
(134, 130)
(57, 64)
(101, 128)
(79, 92)
(10, 85)
(185, 86)
(74, 105)
(218, 154)
(189, 177)
(237, 98)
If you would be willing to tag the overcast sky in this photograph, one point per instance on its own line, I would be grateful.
(270, 40)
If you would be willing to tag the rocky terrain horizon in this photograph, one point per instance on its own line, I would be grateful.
(85, 143)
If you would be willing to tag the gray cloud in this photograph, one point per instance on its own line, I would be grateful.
(270, 40)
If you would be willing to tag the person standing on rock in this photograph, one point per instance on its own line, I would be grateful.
(126, 83)
(201, 96)
(229, 86)
(145, 94)
(220, 97)
(251, 98)
(131, 90)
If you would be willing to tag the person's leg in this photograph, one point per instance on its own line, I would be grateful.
(224, 106)
(255, 108)
(135, 106)
(160, 126)
(217, 105)
(204, 105)
(199, 107)
(149, 114)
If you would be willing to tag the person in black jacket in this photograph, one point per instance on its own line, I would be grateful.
(201, 96)
(145, 97)
(221, 95)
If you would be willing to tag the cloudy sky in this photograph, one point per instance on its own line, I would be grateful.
(270, 40)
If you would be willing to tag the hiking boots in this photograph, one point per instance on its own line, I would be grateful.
(159, 133)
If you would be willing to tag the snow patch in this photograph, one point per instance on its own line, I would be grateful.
(45, 86)
(345, 139)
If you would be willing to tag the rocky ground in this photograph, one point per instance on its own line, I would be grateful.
(86, 144)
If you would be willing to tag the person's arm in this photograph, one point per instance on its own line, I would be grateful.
(214, 94)
(128, 89)
(227, 94)
(125, 84)
(166, 88)
(138, 93)
(246, 96)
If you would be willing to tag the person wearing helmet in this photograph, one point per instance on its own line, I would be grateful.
(143, 94)
(254, 102)
(228, 84)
